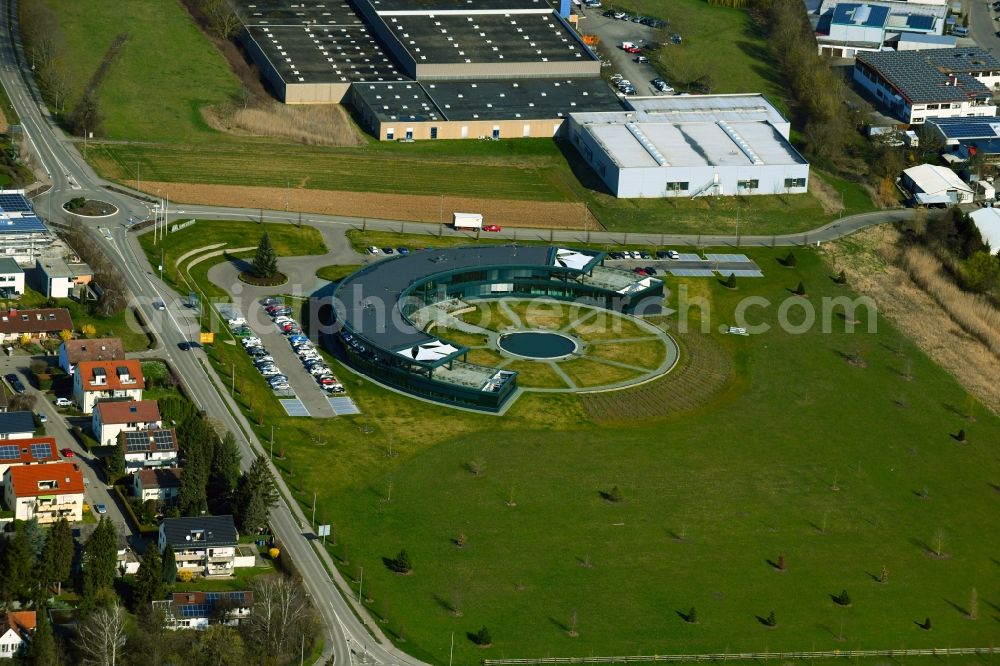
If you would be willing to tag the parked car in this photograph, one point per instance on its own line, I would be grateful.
(67, 452)
(642, 60)
(15, 383)
(650, 270)
(42, 418)
(492, 227)
(64, 402)
(609, 13)
(661, 254)
(645, 255)
(101, 509)
(372, 250)
(673, 254)
(403, 250)
(271, 301)
(633, 49)
(639, 270)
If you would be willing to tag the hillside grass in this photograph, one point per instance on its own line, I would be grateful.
(804, 455)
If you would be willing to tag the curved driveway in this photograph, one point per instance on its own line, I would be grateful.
(347, 637)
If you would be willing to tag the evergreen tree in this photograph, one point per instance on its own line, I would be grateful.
(265, 262)
(115, 463)
(17, 569)
(771, 620)
(401, 563)
(800, 290)
(100, 559)
(482, 637)
(256, 493)
(692, 616)
(57, 555)
(149, 579)
(43, 649)
(731, 281)
(192, 497)
(223, 474)
(169, 565)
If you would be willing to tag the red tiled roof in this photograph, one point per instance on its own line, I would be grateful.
(21, 621)
(25, 450)
(98, 349)
(129, 411)
(110, 369)
(47, 320)
(25, 479)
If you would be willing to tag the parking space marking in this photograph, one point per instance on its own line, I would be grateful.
(729, 258)
(688, 256)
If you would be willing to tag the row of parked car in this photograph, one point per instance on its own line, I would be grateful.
(301, 345)
(643, 20)
(264, 362)
(643, 254)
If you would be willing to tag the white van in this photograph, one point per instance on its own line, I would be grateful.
(960, 31)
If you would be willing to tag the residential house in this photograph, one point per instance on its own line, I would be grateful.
(19, 627)
(47, 492)
(58, 279)
(149, 448)
(916, 85)
(73, 352)
(17, 425)
(34, 324)
(31, 451)
(932, 185)
(203, 545)
(11, 278)
(197, 610)
(94, 381)
(111, 418)
(160, 484)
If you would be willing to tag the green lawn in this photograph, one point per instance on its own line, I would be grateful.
(803, 455)
(336, 273)
(719, 41)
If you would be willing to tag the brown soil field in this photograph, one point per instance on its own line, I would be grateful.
(867, 259)
(509, 213)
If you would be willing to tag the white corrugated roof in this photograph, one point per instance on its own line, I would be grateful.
(988, 222)
(934, 179)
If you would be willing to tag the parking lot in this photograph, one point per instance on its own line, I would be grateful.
(613, 33)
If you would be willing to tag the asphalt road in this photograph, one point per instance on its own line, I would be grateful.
(347, 638)
(982, 25)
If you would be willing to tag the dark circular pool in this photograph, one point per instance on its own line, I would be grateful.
(537, 344)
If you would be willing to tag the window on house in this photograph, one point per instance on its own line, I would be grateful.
(434, 132)
(678, 186)
(795, 182)
(747, 184)
(390, 134)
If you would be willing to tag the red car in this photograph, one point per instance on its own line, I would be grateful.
(639, 271)
(68, 453)
(492, 227)
(633, 49)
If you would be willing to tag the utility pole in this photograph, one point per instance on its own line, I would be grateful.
(361, 582)
(314, 509)
(233, 393)
(272, 442)
(161, 262)
(451, 653)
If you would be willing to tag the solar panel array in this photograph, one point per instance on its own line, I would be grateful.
(294, 407)
(748, 273)
(729, 258)
(137, 441)
(9, 452)
(41, 451)
(688, 256)
(211, 599)
(968, 128)
(14, 203)
(343, 406)
(691, 272)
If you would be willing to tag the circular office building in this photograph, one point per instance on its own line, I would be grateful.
(380, 335)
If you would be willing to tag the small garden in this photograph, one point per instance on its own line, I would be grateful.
(89, 207)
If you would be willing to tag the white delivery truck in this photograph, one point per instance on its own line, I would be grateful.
(467, 220)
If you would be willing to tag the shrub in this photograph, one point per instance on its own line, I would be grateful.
(800, 290)
(781, 563)
(770, 620)
(841, 278)
(482, 637)
(692, 616)
(401, 563)
(843, 599)
(731, 281)
(961, 435)
(789, 260)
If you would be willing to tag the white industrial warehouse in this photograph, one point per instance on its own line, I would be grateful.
(689, 146)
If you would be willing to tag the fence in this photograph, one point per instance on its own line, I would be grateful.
(745, 656)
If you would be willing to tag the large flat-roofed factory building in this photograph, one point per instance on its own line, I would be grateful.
(428, 69)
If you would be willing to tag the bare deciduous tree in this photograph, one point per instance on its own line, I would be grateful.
(101, 637)
(281, 616)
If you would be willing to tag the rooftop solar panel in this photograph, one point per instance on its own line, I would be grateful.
(14, 203)
(8, 452)
(920, 22)
(41, 451)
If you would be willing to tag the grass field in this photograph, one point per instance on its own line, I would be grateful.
(336, 273)
(802, 454)
(739, 63)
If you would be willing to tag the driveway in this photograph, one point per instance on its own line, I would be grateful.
(612, 33)
(58, 427)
